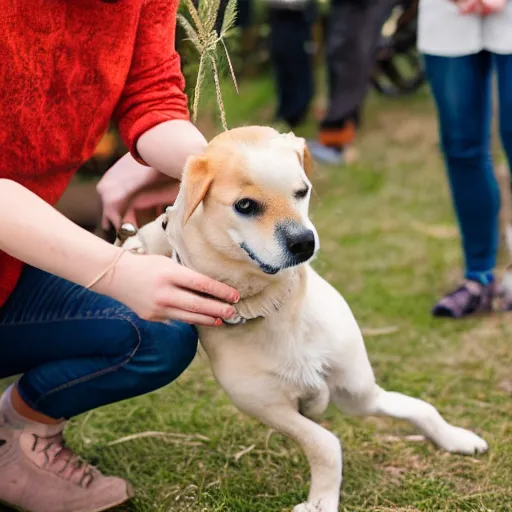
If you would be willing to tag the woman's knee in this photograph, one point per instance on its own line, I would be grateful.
(461, 137)
(466, 149)
(176, 344)
(164, 352)
(462, 90)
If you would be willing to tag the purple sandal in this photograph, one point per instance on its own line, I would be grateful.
(469, 299)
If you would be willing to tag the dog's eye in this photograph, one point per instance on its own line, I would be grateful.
(302, 193)
(247, 207)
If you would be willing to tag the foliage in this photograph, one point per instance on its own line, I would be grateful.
(201, 32)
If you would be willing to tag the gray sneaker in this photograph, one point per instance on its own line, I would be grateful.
(325, 154)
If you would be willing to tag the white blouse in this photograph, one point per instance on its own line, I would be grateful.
(443, 31)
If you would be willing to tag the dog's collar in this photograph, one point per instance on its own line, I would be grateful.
(238, 320)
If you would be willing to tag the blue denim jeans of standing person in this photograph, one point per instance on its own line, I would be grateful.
(462, 88)
(77, 350)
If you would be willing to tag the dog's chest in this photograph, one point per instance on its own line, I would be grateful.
(292, 349)
(302, 358)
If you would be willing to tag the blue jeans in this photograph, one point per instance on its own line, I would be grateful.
(78, 350)
(462, 88)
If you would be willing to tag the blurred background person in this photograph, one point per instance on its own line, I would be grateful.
(463, 45)
(353, 33)
(291, 51)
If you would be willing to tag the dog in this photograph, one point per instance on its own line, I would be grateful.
(241, 217)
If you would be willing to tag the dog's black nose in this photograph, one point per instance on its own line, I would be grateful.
(301, 245)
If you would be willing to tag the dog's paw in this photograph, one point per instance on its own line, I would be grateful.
(460, 440)
(307, 507)
(321, 506)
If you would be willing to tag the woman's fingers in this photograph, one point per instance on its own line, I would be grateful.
(110, 217)
(192, 280)
(193, 303)
(192, 318)
(130, 216)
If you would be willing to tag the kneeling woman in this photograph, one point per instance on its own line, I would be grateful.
(81, 321)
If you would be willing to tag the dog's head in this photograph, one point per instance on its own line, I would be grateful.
(249, 193)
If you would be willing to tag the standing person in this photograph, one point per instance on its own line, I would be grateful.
(463, 44)
(291, 52)
(353, 32)
(81, 320)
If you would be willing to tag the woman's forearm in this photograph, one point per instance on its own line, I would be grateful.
(167, 146)
(35, 233)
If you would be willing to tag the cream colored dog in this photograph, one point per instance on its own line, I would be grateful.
(241, 217)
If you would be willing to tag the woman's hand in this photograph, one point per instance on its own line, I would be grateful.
(129, 186)
(480, 7)
(158, 289)
(155, 287)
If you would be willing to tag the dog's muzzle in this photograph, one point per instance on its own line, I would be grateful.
(301, 246)
(298, 241)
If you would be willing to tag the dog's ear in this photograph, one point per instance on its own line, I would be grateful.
(197, 180)
(307, 160)
(298, 144)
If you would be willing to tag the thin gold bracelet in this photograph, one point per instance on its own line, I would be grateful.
(107, 270)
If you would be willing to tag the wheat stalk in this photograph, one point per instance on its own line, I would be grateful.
(205, 39)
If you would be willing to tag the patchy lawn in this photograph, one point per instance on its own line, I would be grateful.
(390, 245)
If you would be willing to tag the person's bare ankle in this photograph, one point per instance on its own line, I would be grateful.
(27, 412)
(12, 417)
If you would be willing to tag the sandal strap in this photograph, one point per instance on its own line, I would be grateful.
(465, 300)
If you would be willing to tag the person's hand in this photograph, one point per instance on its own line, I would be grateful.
(158, 289)
(491, 6)
(480, 7)
(128, 187)
(157, 197)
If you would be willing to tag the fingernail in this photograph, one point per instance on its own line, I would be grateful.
(218, 322)
(236, 298)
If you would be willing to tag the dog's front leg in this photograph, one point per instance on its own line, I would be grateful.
(322, 449)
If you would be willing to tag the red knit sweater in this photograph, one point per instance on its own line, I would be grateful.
(66, 68)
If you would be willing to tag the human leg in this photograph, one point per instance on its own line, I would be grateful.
(462, 90)
(77, 350)
(353, 32)
(503, 64)
(290, 37)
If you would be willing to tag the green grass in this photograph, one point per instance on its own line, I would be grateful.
(390, 245)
